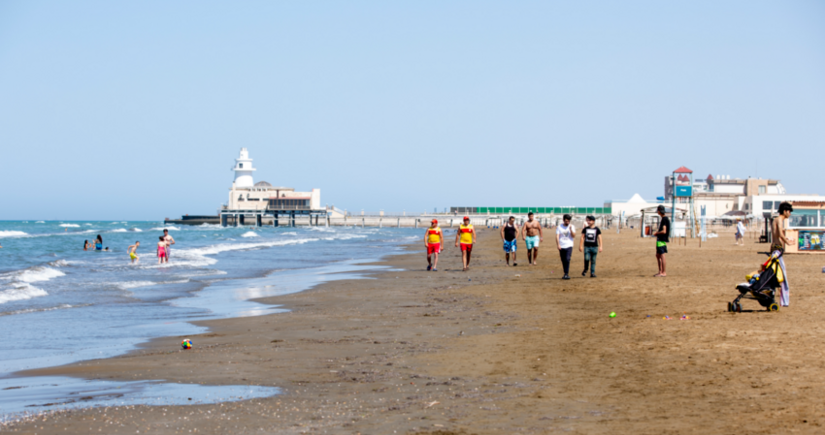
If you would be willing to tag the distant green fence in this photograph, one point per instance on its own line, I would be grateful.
(537, 210)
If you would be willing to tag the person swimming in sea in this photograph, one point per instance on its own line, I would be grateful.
(86, 245)
(133, 252)
(99, 243)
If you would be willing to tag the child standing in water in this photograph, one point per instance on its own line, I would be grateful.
(161, 250)
(133, 253)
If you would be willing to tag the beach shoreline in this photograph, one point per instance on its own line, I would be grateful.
(497, 350)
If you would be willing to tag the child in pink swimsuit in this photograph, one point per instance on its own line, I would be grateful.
(161, 250)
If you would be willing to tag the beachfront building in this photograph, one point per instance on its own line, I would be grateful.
(262, 200)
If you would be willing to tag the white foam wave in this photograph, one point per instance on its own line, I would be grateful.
(170, 228)
(134, 284)
(249, 234)
(290, 233)
(118, 230)
(40, 222)
(34, 274)
(60, 263)
(21, 291)
(137, 230)
(88, 225)
(13, 234)
(70, 225)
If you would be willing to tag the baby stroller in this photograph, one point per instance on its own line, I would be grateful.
(761, 285)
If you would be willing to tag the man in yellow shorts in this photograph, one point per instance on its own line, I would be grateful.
(466, 235)
(133, 252)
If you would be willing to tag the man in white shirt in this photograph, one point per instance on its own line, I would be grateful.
(565, 234)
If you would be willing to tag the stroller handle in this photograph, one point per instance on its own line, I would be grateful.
(770, 253)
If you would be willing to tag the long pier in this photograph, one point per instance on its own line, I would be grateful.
(392, 221)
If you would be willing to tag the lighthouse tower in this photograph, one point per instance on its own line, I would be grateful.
(243, 170)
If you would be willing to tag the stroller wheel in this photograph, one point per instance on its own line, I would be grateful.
(730, 307)
(773, 307)
(738, 307)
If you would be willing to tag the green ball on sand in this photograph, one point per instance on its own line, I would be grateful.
(612, 314)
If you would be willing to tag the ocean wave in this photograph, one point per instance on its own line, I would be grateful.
(118, 230)
(40, 222)
(37, 310)
(70, 225)
(170, 228)
(88, 225)
(290, 233)
(21, 291)
(249, 234)
(137, 230)
(134, 284)
(33, 274)
(61, 263)
(13, 234)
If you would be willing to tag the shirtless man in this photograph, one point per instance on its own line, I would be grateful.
(132, 250)
(532, 234)
(778, 243)
(169, 242)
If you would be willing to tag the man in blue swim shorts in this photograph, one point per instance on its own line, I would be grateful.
(509, 235)
(532, 235)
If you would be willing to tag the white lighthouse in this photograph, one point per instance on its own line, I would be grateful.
(243, 170)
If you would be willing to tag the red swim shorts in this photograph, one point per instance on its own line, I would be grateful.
(467, 247)
(433, 248)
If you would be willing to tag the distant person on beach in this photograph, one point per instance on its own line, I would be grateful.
(532, 234)
(466, 235)
(87, 245)
(662, 237)
(433, 240)
(99, 243)
(591, 245)
(740, 232)
(778, 244)
(169, 242)
(565, 239)
(161, 249)
(133, 253)
(509, 235)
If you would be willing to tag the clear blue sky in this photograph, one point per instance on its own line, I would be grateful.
(136, 110)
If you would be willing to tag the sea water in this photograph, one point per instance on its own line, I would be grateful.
(60, 304)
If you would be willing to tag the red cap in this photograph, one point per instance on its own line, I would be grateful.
(435, 221)
(466, 218)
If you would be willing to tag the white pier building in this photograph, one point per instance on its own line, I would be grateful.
(260, 200)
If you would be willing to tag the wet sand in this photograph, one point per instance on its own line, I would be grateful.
(500, 350)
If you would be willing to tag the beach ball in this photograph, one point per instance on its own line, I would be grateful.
(186, 344)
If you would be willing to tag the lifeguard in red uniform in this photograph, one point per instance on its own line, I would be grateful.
(433, 240)
(466, 236)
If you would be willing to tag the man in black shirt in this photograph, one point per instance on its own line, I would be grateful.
(591, 245)
(509, 235)
(662, 237)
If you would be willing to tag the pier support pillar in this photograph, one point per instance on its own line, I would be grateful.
(223, 220)
(292, 219)
(235, 220)
(259, 221)
(275, 220)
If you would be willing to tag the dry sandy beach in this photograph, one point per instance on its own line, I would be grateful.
(500, 350)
